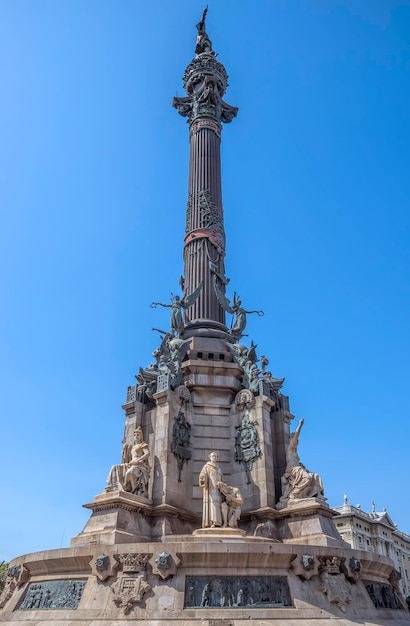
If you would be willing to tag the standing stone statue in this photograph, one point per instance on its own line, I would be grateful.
(209, 477)
(221, 502)
(134, 472)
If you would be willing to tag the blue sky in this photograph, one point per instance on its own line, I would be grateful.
(93, 183)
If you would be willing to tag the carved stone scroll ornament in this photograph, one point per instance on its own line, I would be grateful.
(131, 586)
(247, 448)
(181, 441)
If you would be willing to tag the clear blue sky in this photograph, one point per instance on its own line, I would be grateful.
(93, 181)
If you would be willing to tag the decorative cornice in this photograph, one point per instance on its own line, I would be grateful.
(128, 502)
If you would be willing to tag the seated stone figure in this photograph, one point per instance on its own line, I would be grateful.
(304, 484)
(297, 481)
(134, 472)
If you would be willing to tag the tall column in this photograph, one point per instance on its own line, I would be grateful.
(205, 82)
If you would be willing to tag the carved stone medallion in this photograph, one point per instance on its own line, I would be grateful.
(164, 564)
(183, 394)
(103, 567)
(306, 566)
(244, 400)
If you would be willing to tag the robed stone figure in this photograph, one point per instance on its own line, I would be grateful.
(209, 477)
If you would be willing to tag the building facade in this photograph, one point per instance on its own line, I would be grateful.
(376, 532)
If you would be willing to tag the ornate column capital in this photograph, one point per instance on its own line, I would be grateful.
(205, 82)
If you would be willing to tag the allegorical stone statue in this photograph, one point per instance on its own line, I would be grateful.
(177, 306)
(221, 502)
(297, 482)
(134, 472)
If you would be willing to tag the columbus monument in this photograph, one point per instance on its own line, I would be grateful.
(209, 515)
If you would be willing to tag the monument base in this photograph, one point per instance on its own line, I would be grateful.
(308, 522)
(213, 578)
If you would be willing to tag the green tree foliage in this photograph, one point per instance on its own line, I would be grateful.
(3, 570)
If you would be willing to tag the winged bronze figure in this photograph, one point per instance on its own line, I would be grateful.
(178, 305)
(239, 324)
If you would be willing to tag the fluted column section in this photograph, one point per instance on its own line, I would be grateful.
(205, 82)
(205, 238)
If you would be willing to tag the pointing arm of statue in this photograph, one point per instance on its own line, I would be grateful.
(201, 24)
(154, 305)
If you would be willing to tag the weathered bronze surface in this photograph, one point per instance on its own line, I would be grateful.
(53, 594)
(237, 591)
(205, 81)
